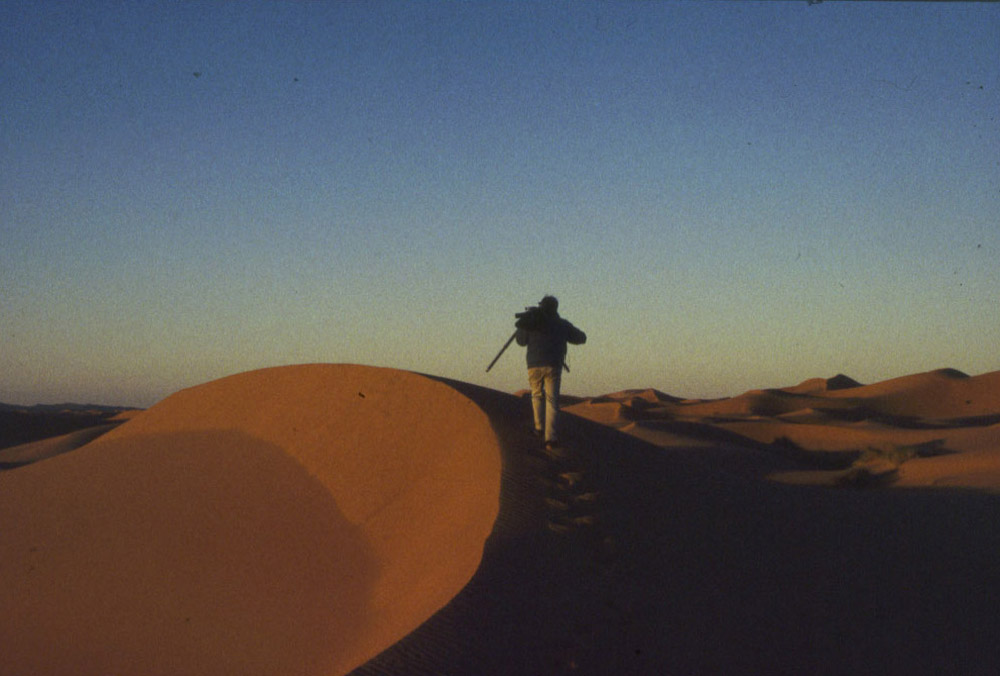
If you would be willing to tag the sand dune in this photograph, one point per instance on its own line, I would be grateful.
(334, 519)
(945, 393)
(25, 424)
(293, 520)
(837, 421)
(25, 454)
(692, 559)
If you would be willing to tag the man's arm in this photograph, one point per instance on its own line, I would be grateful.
(575, 335)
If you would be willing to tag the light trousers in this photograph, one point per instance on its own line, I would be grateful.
(544, 381)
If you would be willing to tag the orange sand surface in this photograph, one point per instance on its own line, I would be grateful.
(926, 429)
(332, 519)
(287, 521)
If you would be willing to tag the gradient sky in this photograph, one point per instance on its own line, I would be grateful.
(723, 195)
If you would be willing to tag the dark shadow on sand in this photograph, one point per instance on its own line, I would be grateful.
(216, 540)
(690, 569)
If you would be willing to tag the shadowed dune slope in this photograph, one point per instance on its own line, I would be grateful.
(25, 454)
(21, 425)
(294, 520)
(685, 559)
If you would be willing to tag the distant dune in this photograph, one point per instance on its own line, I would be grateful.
(24, 424)
(928, 429)
(332, 519)
(48, 447)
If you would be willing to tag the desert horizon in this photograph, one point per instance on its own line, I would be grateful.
(337, 518)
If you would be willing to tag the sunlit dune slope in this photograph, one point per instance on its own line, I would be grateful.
(937, 395)
(938, 428)
(945, 393)
(293, 520)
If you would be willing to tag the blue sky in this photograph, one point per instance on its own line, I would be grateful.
(723, 195)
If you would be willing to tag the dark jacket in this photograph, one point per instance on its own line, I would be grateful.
(546, 337)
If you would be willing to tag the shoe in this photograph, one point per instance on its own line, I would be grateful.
(538, 433)
(552, 444)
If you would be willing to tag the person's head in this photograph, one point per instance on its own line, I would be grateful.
(549, 305)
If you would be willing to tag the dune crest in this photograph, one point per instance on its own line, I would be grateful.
(293, 520)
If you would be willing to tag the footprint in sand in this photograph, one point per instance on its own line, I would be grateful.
(572, 502)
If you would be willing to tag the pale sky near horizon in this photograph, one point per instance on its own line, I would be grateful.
(723, 195)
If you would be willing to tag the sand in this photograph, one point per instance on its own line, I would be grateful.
(294, 520)
(331, 519)
(940, 428)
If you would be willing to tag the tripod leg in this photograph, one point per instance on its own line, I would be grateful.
(502, 349)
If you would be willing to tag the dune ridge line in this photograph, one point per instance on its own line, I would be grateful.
(291, 520)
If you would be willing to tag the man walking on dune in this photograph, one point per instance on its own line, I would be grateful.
(546, 335)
